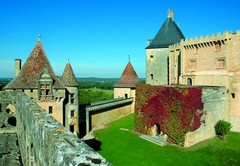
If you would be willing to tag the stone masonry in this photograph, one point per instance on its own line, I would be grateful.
(44, 141)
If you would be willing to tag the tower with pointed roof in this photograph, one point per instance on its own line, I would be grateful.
(126, 85)
(157, 51)
(57, 95)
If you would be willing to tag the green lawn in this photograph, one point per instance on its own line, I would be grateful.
(126, 148)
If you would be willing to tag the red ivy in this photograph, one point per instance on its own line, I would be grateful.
(176, 110)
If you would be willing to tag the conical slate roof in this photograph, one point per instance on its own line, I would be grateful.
(68, 78)
(129, 78)
(168, 34)
(29, 74)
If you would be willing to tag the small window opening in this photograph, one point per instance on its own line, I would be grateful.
(50, 109)
(151, 76)
(8, 110)
(189, 81)
(126, 95)
(12, 121)
(0, 107)
(72, 98)
(151, 56)
(233, 95)
(220, 64)
(71, 127)
(72, 113)
(31, 90)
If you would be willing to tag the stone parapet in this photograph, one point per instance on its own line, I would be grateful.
(43, 141)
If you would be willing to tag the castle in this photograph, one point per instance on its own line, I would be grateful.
(213, 60)
(57, 95)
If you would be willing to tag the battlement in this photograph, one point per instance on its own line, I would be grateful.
(213, 38)
(44, 141)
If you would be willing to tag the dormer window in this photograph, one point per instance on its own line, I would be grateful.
(45, 85)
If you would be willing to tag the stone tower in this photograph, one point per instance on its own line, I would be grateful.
(57, 95)
(157, 51)
(69, 80)
(126, 85)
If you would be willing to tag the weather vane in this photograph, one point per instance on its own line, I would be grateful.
(129, 58)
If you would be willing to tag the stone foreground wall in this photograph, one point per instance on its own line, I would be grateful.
(44, 141)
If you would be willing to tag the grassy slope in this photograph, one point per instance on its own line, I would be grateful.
(126, 148)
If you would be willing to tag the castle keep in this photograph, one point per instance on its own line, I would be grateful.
(211, 62)
(57, 95)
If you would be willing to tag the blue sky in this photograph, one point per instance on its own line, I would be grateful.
(98, 35)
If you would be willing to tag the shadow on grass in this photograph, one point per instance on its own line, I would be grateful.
(93, 143)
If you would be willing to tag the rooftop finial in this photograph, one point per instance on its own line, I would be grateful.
(39, 37)
(128, 58)
(171, 14)
(68, 60)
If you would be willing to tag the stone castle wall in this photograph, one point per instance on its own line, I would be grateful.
(215, 108)
(100, 114)
(43, 140)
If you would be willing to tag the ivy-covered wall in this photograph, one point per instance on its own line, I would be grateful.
(175, 110)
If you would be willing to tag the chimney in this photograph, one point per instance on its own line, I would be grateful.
(17, 66)
(171, 14)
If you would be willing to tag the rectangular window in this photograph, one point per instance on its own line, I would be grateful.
(31, 90)
(233, 95)
(126, 95)
(193, 64)
(50, 109)
(220, 63)
(71, 127)
(72, 113)
(151, 76)
(0, 107)
(72, 98)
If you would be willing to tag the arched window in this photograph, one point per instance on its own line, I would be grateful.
(189, 81)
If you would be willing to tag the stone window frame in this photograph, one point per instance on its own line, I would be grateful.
(220, 65)
(72, 127)
(72, 98)
(50, 109)
(193, 64)
(72, 113)
(45, 85)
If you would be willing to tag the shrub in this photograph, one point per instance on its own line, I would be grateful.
(222, 127)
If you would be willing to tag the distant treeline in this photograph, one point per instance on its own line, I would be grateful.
(100, 83)
(84, 83)
(4, 82)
